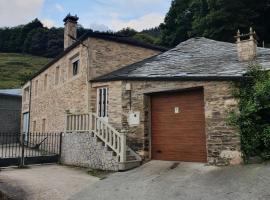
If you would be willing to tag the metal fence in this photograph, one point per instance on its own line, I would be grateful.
(29, 148)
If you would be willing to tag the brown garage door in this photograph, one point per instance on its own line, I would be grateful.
(178, 126)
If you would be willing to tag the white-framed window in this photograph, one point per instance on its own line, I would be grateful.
(75, 67)
(102, 102)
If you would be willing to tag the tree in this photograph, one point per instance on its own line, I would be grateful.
(177, 24)
(36, 42)
(146, 38)
(127, 32)
(253, 118)
(55, 42)
(215, 19)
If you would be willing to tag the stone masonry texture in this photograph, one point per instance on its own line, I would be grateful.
(82, 149)
(223, 141)
(53, 101)
(54, 98)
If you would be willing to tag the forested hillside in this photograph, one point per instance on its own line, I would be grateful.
(33, 38)
(215, 19)
(15, 68)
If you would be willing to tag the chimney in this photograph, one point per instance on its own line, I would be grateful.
(70, 30)
(246, 45)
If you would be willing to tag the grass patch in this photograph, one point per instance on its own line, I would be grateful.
(99, 173)
(14, 66)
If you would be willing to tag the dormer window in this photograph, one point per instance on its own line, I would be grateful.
(75, 67)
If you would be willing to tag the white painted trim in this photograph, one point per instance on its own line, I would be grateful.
(102, 105)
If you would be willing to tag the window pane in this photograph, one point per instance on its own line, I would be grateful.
(99, 102)
(104, 102)
(75, 67)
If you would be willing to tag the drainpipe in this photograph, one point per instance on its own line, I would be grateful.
(87, 77)
(30, 98)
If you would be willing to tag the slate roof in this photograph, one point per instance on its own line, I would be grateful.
(11, 92)
(196, 58)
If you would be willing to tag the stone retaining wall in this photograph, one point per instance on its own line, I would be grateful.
(81, 149)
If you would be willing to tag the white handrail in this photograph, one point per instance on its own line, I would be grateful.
(92, 123)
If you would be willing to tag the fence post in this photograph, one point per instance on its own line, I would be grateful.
(123, 145)
(60, 148)
(22, 155)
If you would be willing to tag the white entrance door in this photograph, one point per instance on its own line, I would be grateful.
(25, 124)
(102, 103)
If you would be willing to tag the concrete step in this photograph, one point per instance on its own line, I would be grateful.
(130, 158)
(128, 165)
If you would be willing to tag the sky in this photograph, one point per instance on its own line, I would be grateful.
(99, 15)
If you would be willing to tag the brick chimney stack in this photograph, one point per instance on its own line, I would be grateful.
(246, 45)
(70, 30)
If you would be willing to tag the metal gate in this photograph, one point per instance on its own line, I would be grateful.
(33, 148)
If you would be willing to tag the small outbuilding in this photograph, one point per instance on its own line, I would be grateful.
(175, 105)
(10, 110)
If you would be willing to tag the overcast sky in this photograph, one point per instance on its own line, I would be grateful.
(95, 14)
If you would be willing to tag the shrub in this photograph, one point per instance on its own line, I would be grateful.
(253, 118)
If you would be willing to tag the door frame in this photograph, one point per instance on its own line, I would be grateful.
(104, 106)
(148, 95)
(25, 128)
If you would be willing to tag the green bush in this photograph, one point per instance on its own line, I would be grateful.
(253, 118)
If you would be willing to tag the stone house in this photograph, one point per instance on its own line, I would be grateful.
(121, 102)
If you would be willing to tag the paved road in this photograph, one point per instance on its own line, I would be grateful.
(45, 182)
(162, 181)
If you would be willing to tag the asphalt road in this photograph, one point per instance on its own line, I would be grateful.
(159, 180)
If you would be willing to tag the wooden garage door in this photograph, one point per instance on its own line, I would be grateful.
(178, 126)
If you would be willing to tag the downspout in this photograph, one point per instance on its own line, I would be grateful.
(87, 77)
(30, 98)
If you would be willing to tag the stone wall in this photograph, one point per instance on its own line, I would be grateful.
(82, 149)
(72, 94)
(68, 94)
(223, 142)
(107, 56)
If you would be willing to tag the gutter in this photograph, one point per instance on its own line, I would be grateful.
(30, 99)
(184, 78)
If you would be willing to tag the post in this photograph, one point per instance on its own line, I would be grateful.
(22, 155)
(123, 142)
(60, 148)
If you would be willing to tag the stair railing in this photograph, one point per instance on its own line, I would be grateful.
(103, 130)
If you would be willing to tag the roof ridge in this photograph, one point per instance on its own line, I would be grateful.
(108, 36)
(195, 58)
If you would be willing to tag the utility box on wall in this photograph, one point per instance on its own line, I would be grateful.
(134, 118)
